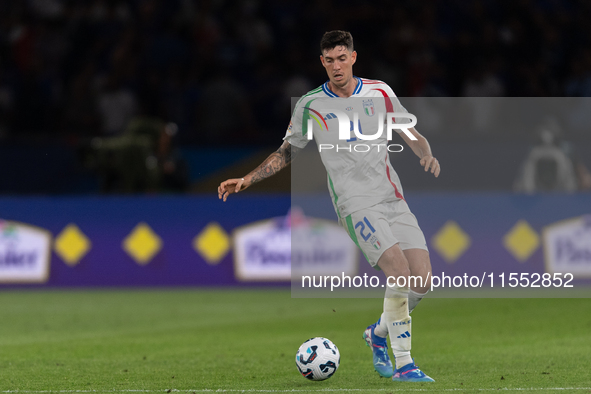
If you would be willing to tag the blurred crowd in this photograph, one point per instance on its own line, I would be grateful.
(224, 71)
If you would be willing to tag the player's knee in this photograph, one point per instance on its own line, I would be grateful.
(393, 269)
(394, 263)
(424, 285)
(403, 272)
(420, 281)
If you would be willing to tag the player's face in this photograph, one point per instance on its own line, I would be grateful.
(338, 63)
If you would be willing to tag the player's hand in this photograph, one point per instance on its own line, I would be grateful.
(429, 162)
(231, 186)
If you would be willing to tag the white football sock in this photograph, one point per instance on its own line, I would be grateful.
(381, 329)
(402, 358)
(399, 324)
(414, 298)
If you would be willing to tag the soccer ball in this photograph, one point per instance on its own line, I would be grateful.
(318, 359)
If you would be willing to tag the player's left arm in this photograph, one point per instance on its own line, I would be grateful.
(422, 149)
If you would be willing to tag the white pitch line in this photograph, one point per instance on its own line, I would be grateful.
(288, 391)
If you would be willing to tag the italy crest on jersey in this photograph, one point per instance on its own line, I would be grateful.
(375, 242)
(368, 107)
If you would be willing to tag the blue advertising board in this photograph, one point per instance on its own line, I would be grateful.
(139, 241)
(190, 240)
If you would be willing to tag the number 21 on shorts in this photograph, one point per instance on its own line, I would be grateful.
(362, 224)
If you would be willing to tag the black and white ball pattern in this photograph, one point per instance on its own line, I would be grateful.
(318, 359)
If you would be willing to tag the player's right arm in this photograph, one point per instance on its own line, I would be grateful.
(294, 141)
(276, 161)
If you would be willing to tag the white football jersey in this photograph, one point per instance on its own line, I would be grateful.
(359, 171)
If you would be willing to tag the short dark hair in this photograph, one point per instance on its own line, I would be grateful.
(335, 38)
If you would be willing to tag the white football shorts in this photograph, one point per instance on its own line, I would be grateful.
(378, 228)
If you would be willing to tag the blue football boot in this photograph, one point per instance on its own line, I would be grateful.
(411, 373)
(379, 347)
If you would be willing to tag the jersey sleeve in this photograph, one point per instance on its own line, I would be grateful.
(397, 107)
(295, 134)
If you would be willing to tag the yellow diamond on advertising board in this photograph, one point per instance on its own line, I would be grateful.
(142, 244)
(71, 245)
(451, 241)
(521, 241)
(212, 243)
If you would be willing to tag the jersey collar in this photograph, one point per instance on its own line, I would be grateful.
(330, 93)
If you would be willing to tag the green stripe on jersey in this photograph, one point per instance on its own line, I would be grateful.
(311, 92)
(336, 197)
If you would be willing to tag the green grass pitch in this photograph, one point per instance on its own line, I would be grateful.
(245, 341)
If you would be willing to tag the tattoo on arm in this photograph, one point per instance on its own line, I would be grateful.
(276, 161)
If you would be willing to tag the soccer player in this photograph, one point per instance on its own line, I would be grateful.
(365, 190)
